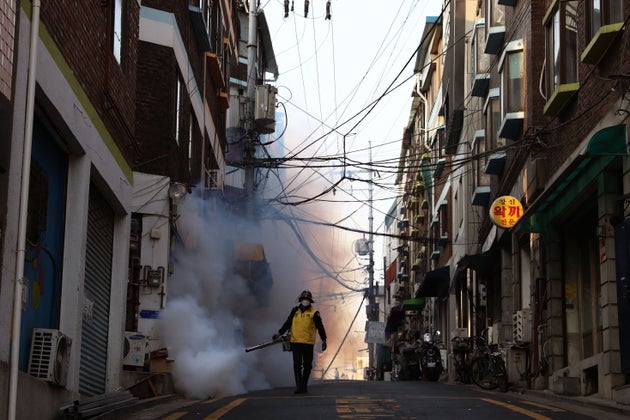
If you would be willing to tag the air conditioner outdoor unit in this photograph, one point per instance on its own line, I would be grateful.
(136, 349)
(50, 356)
(522, 326)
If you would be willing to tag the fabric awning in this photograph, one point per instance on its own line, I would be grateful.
(560, 193)
(413, 304)
(477, 262)
(435, 283)
(609, 141)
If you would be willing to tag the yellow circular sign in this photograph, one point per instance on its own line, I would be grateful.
(505, 211)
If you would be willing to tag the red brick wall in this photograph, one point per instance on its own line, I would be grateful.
(80, 31)
(155, 122)
(594, 98)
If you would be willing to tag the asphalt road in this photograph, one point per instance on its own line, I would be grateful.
(375, 400)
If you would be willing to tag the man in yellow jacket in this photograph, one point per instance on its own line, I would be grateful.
(303, 321)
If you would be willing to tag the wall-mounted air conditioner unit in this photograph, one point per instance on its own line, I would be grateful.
(522, 326)
(136, 349)
(50, 356)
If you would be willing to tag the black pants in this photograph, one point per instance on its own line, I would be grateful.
(302, 364)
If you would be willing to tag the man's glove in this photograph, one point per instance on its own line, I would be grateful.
(275, 336)
(324, 346)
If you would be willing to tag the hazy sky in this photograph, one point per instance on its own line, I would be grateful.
(331, 74)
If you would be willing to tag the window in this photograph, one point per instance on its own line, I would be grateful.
(493, 163)
(604, 21)
(117, 28)
(562, 53)
(601, 13)
(495, 27)
(512, 83)
(493, 121)
(481, 61)
(495, 14)
(443, 216)
(511, 70)
(479, 160)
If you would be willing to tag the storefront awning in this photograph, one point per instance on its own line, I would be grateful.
(413, 304)
(560, 193)
(609, 141)
(478, 262)
(435, 283)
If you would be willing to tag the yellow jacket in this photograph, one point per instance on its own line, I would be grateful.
(304, 322)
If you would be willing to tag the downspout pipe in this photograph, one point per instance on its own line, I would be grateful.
(23, 211)
(426, 110)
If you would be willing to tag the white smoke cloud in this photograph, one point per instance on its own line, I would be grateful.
(211, 314)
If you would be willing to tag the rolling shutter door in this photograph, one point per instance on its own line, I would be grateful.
(98, 270)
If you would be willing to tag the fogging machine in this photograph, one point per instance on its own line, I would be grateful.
(284, 339)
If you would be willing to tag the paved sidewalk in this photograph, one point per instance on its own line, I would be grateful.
(593, 406)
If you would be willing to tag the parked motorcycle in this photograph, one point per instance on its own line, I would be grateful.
(431, 361)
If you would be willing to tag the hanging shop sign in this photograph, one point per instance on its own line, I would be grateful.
(505, 211)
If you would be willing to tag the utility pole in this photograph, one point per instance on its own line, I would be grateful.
(373, 314)
(249, 147)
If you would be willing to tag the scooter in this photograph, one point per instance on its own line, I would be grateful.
(431, 361)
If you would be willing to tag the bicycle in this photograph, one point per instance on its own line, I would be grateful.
(462, 348)
(488, 367)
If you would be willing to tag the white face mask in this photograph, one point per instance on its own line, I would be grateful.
(306, 303)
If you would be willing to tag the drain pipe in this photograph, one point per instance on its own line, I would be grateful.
(426, 110)
(21, 245)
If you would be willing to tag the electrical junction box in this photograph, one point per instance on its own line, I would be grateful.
(265, 108)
